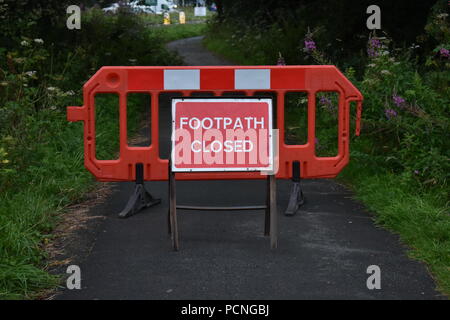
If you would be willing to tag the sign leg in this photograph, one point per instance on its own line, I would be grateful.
(173, 211)
(169, 221)
(273, 212)
(267, 211)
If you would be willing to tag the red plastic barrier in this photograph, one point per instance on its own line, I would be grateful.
(220, 79)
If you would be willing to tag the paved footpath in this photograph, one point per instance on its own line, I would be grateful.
(323, 251)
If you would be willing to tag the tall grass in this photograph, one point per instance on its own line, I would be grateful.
(41, 154)
(421, 219)
(28, 212)
(180, 31)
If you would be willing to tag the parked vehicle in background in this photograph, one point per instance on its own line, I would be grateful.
(140, 6)
(160, 6)
(112, 8)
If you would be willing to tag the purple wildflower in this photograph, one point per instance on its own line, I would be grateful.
(373, 48)
(375, 43)
(416, 171)
(445, 53)
(390, 113)
(372, 53)
(310, 45)
(327, 104)
(399, 101)
(325, 101)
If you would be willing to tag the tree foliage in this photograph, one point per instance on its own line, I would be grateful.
(402, 19)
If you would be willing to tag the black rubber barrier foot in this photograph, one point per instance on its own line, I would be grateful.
(141, 198)
(296, 199)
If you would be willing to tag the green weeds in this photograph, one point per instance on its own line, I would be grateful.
(41, 154)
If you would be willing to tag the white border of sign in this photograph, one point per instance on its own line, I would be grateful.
(172, 153)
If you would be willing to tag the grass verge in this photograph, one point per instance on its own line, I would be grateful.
(53, 175)
(420, 218)
(28, 215)
(221, 47)
(180, 31)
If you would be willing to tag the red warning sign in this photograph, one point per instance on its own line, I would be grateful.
(222, 134)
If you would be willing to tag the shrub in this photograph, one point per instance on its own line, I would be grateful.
(39, 150)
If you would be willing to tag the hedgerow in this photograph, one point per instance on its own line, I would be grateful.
(43, 66)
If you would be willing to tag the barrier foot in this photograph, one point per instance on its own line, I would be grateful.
(296, 198)
(141, 198)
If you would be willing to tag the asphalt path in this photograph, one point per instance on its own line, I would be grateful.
(323, 251)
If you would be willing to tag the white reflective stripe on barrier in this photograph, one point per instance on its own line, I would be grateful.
(182, 79)
(252, 79)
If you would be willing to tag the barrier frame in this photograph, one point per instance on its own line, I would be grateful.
(218, 80)
(141, 164)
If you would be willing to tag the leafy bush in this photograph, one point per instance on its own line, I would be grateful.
(39, 150)
(406, 118)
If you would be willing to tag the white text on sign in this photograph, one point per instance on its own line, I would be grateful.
(222, 134)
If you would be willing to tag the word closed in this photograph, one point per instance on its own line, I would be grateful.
(217, 134)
